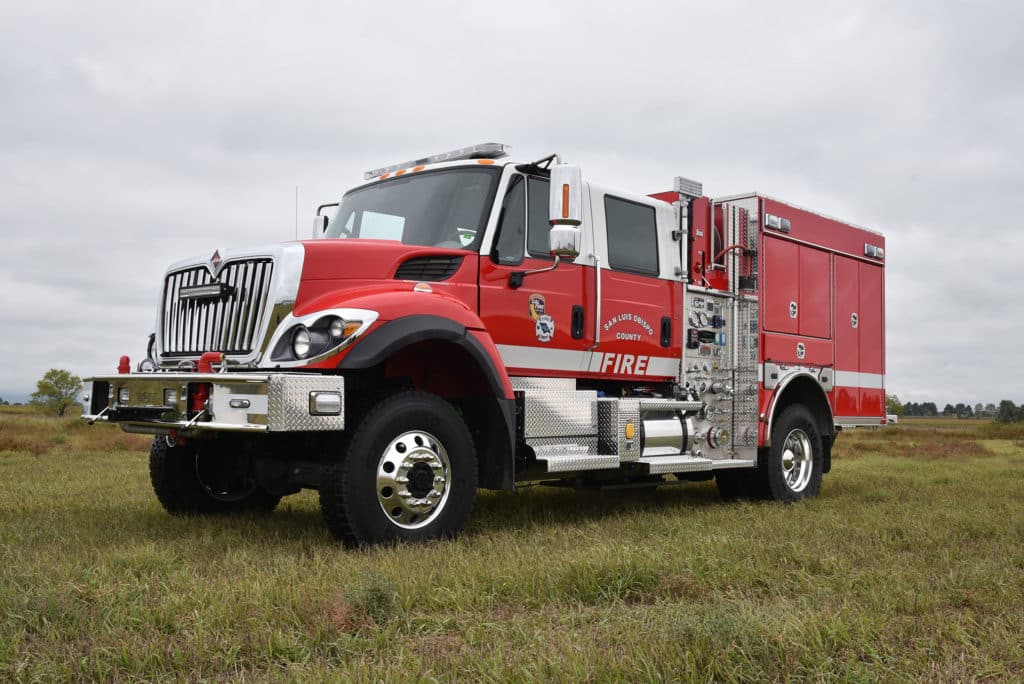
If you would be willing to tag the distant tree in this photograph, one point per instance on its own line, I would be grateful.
(949, 410)
(979, 410)
(990, 410)
(964, 411)
(57, 390)
(1008, 412)
(928, 408)
(893, 405)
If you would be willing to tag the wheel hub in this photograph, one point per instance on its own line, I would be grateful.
(797, 460)
(413, 479)
(421, 480)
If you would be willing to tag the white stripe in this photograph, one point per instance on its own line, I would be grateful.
(546, 358)
(656, 365)
(861, 380)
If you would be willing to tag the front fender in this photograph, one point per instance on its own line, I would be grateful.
(810, 380)
(390, 337)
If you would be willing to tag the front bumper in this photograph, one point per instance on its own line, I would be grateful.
(160, 403)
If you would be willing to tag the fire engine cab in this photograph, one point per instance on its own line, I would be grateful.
(465, 321)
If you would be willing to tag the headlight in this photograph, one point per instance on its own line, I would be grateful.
(314, 336)
(337, 328)
(300, 342)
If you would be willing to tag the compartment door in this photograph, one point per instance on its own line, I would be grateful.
(781, 285)
(847, 336)
(872, 341)
(815, 315)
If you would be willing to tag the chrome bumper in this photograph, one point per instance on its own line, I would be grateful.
(159, 403)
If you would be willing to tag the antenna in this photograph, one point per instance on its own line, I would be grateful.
(296, 212)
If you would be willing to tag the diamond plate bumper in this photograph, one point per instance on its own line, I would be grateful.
(237, 402)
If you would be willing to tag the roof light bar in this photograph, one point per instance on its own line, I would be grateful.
(482, 151)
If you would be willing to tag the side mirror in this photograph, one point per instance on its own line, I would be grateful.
(566, 201)
(320, 226)
(565, 242)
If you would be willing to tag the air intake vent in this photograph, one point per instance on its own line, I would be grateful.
(431, 268)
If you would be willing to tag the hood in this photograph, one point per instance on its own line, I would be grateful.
(334, 259)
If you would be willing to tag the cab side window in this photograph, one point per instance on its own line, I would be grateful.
(512, 227)
(632, 236)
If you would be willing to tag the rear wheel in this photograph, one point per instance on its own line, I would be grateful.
(409, 474)
(793, 468)
(206, 477)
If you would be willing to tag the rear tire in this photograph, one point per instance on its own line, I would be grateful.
(793, 468)
(199, 478)
(409, 474)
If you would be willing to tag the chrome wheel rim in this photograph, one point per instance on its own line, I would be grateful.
(413, 479)
(797, 460)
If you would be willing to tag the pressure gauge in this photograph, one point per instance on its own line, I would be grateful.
(704, 320)
(695, 319)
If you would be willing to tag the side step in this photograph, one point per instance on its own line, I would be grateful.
(570, 458)
(573, 458)
(660, 465)
(570, 463)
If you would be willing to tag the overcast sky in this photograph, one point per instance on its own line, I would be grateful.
(137, 134)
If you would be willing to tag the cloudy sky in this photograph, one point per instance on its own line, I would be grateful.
(136, 134)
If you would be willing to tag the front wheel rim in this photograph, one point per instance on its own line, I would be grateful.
(413, 479)
(797, 460)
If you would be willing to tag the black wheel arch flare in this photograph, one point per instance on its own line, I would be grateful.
(496, 472)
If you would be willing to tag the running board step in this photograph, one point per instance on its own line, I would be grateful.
(658, 465)
(570, 463)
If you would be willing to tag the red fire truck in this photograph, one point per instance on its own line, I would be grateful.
(465, 321)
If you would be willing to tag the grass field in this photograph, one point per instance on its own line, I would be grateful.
(910, 565)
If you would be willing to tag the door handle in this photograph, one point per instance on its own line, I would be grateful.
(577, 322)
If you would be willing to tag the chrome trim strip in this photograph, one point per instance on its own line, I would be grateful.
(367, 316)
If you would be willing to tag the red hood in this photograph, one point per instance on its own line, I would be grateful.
(332, 259)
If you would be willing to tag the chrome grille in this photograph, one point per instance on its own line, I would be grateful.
(226, 324)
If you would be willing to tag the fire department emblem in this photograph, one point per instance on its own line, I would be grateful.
(545, 328)
(544, 325)
(537, 306)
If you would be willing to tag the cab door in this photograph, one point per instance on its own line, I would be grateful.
(641, 297)
(542, 322)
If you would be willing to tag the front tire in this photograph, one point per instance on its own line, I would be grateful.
(409, 474)
(204, 478)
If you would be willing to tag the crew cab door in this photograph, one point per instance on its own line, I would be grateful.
(640, 332)
(545, 326)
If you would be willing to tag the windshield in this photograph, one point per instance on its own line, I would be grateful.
(446, 208)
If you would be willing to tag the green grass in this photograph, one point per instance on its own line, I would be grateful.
(910, 565)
